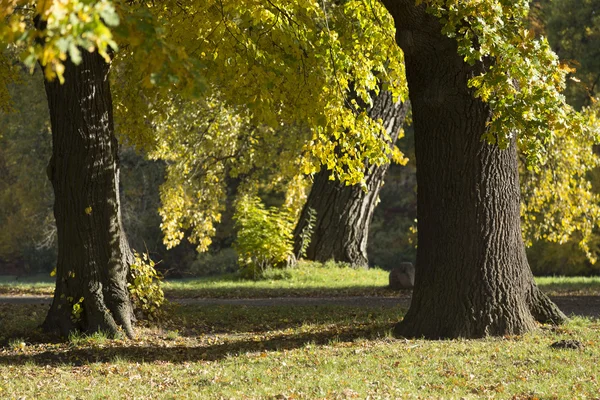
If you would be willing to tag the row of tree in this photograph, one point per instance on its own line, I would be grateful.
(27, 246)
(479, 85)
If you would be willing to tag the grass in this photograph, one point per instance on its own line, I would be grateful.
(307, 280)
(299, 352)
(569, 285)
(38, 284)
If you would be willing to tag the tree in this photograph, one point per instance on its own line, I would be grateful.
(344, 212)
(93, 254)
(295, 118)
(473, 278)
(565, 241)
(71, 40)
(301, 58)
(74, 44)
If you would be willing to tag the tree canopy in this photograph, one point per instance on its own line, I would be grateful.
(266, 69)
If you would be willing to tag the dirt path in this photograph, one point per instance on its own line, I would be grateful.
(587, 306)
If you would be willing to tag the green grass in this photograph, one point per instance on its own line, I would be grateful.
(305, 352)
(569, 285)
(39, 284)
(307, 280)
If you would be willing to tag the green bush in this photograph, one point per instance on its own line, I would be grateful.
(264, 236)
(145, 286)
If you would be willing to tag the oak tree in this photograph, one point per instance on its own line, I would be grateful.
(342, 213)
(479, 84)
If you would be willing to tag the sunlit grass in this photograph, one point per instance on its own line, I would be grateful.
(39, 284)
(573, 285)
(302, 352)
(308, 279)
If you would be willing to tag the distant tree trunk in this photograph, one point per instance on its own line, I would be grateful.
(93, 253)
(472, 275)
(224, 232)
(344, 213)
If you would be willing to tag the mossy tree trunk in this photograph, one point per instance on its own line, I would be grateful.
(472, 275)
(93, 253)
(344, 213)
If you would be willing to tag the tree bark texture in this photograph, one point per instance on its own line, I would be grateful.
(93, 253)
(344, 213)
(472, 276)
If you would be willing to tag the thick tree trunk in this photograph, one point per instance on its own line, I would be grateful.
(344, 213)
(472, 275)
(93, 253)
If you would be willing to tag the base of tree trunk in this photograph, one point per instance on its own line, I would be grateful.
(541, 310)
(110, 314)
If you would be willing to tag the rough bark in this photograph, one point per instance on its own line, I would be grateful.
(472, 276)
(344, 213)
(93, 253)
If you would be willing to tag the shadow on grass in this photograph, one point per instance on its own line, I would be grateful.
(210, 352)
(569, 288)
(243, 291)
(192, 321)
(42, 279)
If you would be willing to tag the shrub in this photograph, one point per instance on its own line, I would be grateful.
(145, 285)
(264, 236)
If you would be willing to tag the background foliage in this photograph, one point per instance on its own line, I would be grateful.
(251, 100)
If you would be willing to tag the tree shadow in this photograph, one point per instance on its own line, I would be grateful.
(584, 306)
(214, 352)
(243, 291)
(194, 320)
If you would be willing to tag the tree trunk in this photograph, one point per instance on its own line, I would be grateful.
(344, 213)
(472, 275)
(93, 253)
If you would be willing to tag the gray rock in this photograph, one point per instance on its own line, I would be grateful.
(402, 277)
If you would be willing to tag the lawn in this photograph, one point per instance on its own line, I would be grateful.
(39, 284)
(294, 352)
(308, 280)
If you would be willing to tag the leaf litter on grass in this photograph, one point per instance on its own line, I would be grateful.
(298, 352)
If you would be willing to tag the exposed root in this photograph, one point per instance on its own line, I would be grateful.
(543, 309)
